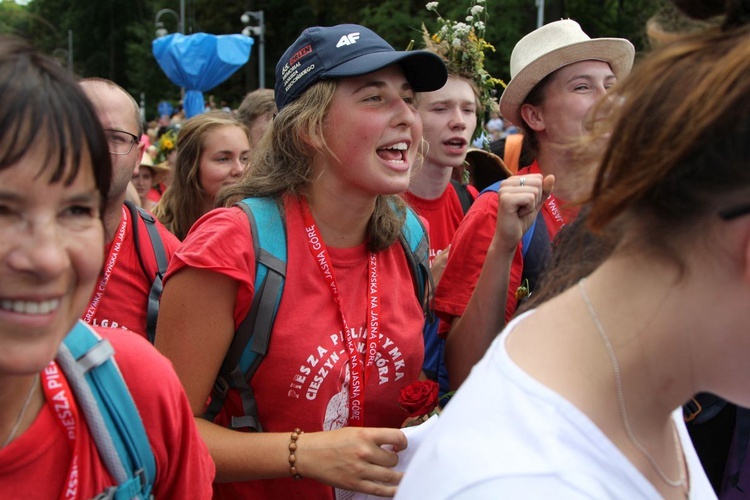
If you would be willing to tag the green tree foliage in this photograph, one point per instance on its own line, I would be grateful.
(113, 40)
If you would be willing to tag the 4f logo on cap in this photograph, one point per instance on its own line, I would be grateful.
(349, 39)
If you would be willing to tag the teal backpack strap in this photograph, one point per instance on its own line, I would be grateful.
(416, 245)
(154, 294)
(112, 417)
(251, 339)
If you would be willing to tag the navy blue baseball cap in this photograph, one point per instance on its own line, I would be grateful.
(347, 50)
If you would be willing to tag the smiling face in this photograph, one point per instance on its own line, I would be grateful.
(449, 118)
(51, 251)
(225, 153)
(372, 131)
(568, 97)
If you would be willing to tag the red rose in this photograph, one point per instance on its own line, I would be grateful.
(419, 398)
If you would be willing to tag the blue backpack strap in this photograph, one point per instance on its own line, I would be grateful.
(154, 294)
(112, 417)
(251, 339)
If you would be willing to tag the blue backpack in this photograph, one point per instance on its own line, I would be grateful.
(251, 339)
(112, 417)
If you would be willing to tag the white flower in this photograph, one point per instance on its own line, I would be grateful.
(479, 26)
(469, 19)
(461, 30)
(457, 42)
(476, 10)
(431, 6)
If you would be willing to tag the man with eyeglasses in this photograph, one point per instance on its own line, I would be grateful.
(121, 299)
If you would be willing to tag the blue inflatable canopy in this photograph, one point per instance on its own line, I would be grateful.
(200, 62)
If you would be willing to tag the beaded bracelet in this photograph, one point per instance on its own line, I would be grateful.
(292, 457)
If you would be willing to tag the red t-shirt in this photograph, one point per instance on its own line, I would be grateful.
(154, 194)
(36, 464)
(443, 215)
(122, 301)
(303, 380)
(468, 251)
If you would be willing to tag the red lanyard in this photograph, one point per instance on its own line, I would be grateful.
(60, 398)
(551, 205)
(358, 369)
(114, 252)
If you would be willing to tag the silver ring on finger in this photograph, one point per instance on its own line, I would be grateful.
(522, 181)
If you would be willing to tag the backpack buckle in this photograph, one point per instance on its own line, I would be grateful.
(221, 387)
(691, 409)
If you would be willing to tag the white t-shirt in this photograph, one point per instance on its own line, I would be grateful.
(505, 435)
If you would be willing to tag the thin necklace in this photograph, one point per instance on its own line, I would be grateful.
(680, 481)
(25, 407)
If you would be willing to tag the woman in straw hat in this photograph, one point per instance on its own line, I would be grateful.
(558, 73)
(334, 161)
(580, 398)
(149, 175)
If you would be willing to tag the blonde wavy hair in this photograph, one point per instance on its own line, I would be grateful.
(282, 163)
(180, 205)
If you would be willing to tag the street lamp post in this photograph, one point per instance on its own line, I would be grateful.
(260, 32)
(67, 53)
(539, 13)
(160, 29)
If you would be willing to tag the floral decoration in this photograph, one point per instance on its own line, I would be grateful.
(419, 398)
(421, 401)
(523, 291)
(167, 142)
(462, 46)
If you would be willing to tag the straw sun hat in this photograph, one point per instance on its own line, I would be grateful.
(551, 47)
(159, 170)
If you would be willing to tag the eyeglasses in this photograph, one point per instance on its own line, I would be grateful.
(735, 212)
(120, 143)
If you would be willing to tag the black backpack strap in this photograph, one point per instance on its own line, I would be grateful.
(154, 294)
(463, 195)
(251, 340)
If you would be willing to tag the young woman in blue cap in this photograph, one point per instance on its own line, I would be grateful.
(337, 155)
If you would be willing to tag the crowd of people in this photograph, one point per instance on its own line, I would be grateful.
(234, 305)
